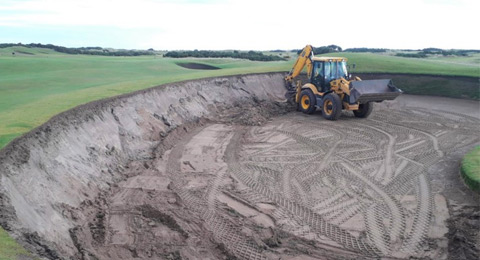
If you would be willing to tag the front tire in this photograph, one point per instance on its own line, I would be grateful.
(332, 106)
(364, 110)
(307, 101)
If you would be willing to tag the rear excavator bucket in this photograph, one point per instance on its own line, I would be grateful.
(291, 90)
(373, 90)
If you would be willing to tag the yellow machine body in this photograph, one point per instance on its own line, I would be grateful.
(330, 84)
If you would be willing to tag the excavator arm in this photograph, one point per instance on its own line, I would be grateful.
(304, 59)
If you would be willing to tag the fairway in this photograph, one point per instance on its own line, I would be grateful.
(33, 89)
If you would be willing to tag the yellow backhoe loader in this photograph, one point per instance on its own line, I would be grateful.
(331, 89)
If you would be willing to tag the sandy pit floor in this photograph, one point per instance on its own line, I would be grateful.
(224, 168)
(296, 187)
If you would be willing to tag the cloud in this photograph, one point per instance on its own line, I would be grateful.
(249, 24)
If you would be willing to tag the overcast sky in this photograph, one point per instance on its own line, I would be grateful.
(242, 24)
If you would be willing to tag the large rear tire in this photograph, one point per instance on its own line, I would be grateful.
(332, 106)
(364, 110)
(307, 101)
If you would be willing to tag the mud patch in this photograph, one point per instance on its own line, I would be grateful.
(246, 211)
(158, 216)
(464, 232)
(197, 66)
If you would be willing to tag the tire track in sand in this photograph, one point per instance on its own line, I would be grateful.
(304, 215)
(389, 153)
(224, 231)
(397, 216)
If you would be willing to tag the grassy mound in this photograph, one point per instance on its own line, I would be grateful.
(470, 169)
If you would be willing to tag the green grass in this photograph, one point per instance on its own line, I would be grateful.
(434, 85)
(368, 62)
(9, 249)
(24, 51)
(33, 89)
(37, 84)
(472, 60)
(470, 169)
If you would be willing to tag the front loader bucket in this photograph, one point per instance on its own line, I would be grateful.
(373, 90)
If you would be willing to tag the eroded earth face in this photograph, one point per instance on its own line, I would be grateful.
(297, 187)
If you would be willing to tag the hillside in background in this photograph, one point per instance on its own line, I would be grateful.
(82, 50)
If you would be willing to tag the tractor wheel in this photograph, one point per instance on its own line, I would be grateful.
(307, 101)
(332, 106)
(364, 110)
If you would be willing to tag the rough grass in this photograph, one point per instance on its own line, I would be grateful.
(22, 51)
(439, 87)
(472, 60)
(470, 169)
(9, 249)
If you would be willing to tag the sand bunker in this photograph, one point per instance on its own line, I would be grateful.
(223, 168)
(197, 66)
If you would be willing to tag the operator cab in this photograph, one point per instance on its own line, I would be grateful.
(326, 69)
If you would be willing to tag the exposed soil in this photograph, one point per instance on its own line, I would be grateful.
(197, 66)
(223, 169)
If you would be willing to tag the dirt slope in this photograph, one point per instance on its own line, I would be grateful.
(217, 169)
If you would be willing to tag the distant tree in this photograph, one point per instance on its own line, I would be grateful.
(81, 50)
(432, 51)
(365, 50)
(250, 55)
(324, 49)
(412, 55)
(335, 48)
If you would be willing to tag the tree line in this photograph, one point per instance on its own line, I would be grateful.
(82, 50)
(250, 55)
(365, 50)
(322, 49)
(423, 53)
(435, 51)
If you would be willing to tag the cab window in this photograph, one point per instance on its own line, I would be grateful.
(328, 71)
(333, 71)
(342, 69)
(318, 69)
(317, 77)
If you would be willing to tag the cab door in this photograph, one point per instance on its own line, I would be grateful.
(318, 76)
